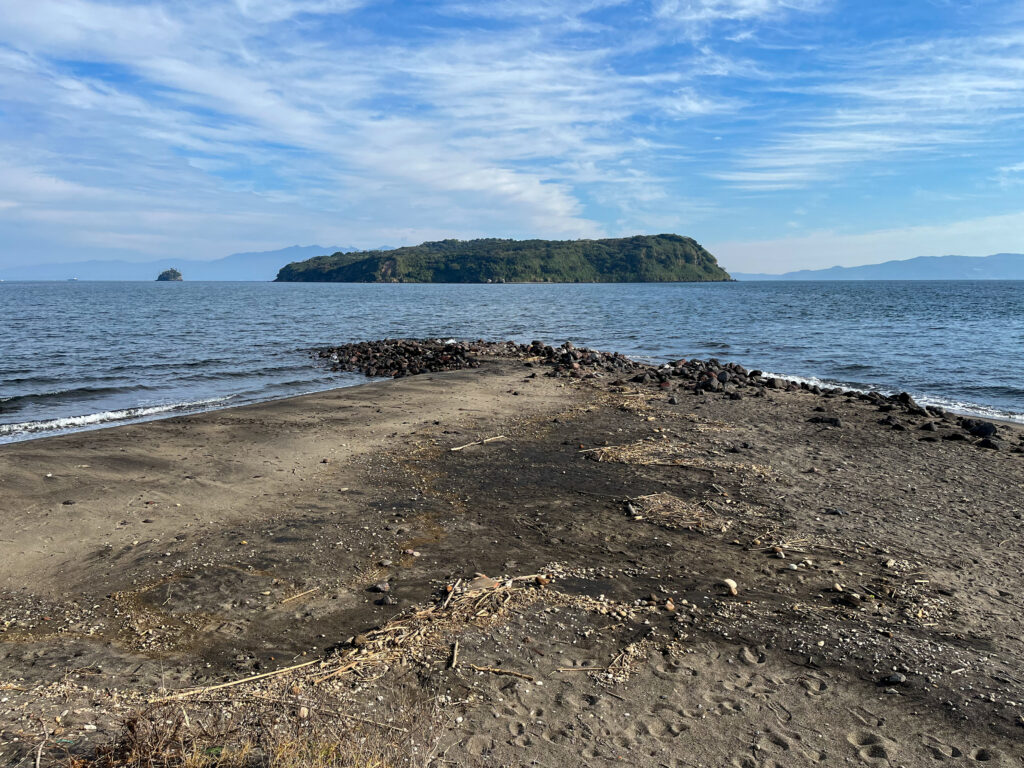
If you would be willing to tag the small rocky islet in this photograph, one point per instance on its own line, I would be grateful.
(170, 276)
(397, 358)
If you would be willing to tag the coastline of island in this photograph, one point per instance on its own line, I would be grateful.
(641, 258)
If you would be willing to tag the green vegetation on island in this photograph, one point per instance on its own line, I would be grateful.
(638, 259)
(169, 276)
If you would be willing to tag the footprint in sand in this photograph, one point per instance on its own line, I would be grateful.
(667, 723)
(753, 656)
(940, 750)
(872, 748)
(555, 735)
(671, 670)
(983, 755)
(479, 745)
(723, 704)
(814, 686)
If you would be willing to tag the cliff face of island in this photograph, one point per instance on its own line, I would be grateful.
(169, 276)
(639, 259)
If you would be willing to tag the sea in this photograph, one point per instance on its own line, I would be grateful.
(85, 355)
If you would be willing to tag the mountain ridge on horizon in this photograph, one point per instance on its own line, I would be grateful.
(246, 266)
(998, 266)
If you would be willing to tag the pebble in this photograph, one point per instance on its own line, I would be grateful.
(894, 679)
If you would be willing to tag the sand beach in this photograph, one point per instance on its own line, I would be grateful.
(496, 566)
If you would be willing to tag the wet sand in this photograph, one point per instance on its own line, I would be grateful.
(877, 618)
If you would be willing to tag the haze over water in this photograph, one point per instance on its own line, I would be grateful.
(78, 355)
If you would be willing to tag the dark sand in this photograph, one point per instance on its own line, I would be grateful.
(142, 560)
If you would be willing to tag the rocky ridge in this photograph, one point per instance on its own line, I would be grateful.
(395, 358)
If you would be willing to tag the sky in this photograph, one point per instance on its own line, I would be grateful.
(781, 134)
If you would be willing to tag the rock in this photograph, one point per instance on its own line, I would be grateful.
(836, 511)
(979, 428)
(894, 679)
(832, 421)
(955, 437)
(989, 443)
(381, 586)
(482, 582)
(731, 585)
(929, 426)
(850, 599)
(673, 400)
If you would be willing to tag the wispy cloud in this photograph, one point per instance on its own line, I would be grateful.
(237, 124)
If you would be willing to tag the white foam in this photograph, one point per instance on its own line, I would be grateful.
(92, 419)
(956, 406)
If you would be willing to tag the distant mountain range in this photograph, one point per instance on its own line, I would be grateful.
(261, 265)
(1001, 266)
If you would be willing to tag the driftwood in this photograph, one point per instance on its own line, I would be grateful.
(455, 655)
(220, 686)
(499, 671)
(301, 594)
(479, 442)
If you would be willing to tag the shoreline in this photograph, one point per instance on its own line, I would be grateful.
(973, 410)
(876, 600)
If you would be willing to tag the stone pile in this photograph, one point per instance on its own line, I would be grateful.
(567, 360)
(395, 358)
(407, 357)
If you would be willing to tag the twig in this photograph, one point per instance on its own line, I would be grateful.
(451, 594)
(455, 655)
(219, 686)
(499, 671)
(301, 594)
(339, 671)
(479, 442)
(582, 669)
(42, 744)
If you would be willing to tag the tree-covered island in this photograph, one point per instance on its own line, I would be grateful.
(638, 259)
(169, 276)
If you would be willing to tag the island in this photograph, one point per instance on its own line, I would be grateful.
(638, 259)
(169, 276)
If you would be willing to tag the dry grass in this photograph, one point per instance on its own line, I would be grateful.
(310, 715)
(668, 453)
(670, 511)
(261, 732)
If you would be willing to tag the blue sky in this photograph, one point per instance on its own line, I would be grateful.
(780, 133)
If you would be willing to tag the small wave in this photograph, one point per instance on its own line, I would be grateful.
(92, 419)
(67, 394)
(963, 407)
(714, 345)
(855, 367)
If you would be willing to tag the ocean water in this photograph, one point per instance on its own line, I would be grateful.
(81, 355)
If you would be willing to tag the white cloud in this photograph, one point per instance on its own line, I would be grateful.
(713, 10)
(267, 11)
(893, 100)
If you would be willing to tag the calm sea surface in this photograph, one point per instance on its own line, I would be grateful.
(79, 355)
